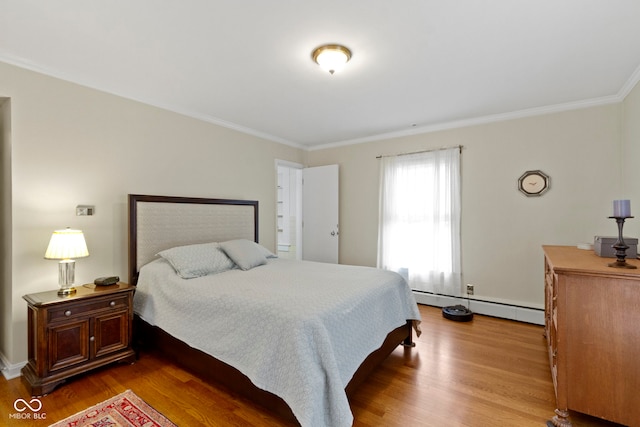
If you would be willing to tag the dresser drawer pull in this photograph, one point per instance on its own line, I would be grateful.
(112, 304)
(92, 339)
(67, 313)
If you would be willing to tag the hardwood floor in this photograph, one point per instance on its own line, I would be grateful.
(488, 372)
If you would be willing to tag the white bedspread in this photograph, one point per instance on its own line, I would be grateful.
(297, 329)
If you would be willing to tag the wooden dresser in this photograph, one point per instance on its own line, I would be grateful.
(592, 324)
(69, 335)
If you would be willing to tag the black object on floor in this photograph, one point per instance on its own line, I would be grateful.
(458, 313)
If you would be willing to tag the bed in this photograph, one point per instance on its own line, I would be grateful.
(297, 337)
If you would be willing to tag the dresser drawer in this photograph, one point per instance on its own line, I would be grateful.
(69, 311)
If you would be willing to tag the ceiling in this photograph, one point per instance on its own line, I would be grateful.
(417, 65)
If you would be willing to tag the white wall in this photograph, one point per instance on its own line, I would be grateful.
(72, 145)
(5, 226)
(502, 230)
(631, 158)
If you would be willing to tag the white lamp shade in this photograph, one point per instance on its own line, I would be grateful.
(67, 244)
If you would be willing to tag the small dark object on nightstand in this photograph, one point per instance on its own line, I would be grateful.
(106, 281)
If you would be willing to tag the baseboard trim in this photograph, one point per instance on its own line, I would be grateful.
(10, 371)
(488, 308)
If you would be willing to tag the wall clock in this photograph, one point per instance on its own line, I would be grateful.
(534, 183)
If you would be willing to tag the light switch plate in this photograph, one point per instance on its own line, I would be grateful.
(84, 210)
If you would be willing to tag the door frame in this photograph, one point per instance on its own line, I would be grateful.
(298, 204)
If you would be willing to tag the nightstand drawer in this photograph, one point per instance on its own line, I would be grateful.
(69, 311)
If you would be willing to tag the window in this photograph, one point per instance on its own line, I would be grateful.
(419, 231)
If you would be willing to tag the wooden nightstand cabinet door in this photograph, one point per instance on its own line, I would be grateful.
(68, 344)
(111, 333)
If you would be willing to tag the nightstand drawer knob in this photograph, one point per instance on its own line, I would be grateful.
(67, 313)
(92, 339)
(112, 304)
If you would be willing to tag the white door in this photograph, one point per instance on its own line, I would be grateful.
(320, 214)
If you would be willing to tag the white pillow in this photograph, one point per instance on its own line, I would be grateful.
(245, 253)
(197, 260)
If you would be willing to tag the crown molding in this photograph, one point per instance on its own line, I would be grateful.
(630, 84)
(456, 124)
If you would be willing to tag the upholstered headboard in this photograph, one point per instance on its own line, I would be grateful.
(162, 222)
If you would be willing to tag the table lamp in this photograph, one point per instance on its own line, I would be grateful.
(65, 245)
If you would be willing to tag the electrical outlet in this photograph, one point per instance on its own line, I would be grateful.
(469, 289)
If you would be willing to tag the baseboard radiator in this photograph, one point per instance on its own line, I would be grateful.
(489, 308)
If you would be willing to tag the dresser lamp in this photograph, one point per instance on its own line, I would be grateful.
(65, 245)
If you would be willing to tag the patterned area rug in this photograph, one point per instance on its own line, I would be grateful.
(123, 410)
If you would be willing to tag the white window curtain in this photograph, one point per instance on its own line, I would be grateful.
(419, 231)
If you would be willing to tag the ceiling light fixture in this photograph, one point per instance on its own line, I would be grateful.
(331, 57)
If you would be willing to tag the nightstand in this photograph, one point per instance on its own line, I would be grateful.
(70, 335)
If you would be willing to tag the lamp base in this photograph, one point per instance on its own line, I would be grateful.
(67, 291)
(623, 264)
(66, 276)
(620, 246)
